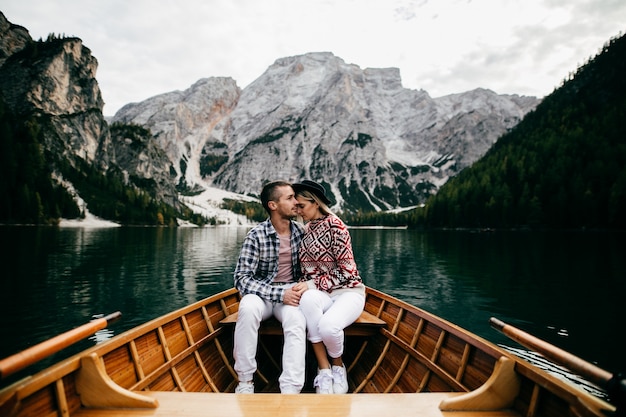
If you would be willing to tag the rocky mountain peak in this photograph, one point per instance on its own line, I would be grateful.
(373, 143)
(184, 123)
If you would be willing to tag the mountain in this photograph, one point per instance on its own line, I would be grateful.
(374, 144)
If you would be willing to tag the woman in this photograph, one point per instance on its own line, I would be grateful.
(334, 294)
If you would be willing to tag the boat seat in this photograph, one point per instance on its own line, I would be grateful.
(366, 325)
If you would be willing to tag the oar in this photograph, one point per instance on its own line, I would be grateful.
(33, 354)
(614, 384)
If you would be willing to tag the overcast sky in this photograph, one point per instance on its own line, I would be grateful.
(149, 47)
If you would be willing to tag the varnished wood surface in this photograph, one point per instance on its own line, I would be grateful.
(195, 404)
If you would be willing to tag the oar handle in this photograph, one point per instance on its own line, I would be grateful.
(33, 354)
(583, 368)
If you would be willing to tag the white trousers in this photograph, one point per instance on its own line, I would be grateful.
(252, 310)
(327, 315)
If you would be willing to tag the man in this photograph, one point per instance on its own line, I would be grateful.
(266, 271)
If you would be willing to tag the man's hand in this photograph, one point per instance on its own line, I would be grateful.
(292, 296)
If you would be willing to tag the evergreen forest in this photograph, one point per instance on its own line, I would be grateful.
(562, 167)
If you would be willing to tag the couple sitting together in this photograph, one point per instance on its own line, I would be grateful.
(306, 277)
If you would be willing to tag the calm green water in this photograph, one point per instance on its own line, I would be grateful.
(567, 288)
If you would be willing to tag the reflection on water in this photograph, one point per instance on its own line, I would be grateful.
(557, 371)
(566, 288)
(422, 270)
(102, 336)
(57, 279)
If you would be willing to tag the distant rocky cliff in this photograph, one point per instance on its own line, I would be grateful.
(373, 143)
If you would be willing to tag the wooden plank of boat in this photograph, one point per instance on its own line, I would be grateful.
(181, 364)
(309, 405)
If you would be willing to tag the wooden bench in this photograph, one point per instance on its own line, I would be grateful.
(366, 325)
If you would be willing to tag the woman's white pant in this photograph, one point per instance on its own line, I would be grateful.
(327, 315)
(252, 310)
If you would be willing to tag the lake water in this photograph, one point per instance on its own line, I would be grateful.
(565, 287)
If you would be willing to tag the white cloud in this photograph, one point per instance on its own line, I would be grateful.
(149, 47)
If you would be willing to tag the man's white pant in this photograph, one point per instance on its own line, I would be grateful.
(252, 310)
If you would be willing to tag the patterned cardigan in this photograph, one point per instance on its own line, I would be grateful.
(326, 255)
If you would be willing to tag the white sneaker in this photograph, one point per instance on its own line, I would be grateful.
(340, 380)
(245, 388)
(323, 382)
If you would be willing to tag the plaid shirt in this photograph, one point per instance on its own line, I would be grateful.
(258, 261)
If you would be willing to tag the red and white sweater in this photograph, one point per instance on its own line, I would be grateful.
(326, 256)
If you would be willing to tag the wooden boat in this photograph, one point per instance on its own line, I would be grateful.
(401, 361)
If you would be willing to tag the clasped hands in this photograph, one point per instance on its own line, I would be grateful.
(293, 294)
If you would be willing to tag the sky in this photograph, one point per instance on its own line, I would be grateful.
(150, 47)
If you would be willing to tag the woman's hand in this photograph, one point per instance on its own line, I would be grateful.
(300, 287)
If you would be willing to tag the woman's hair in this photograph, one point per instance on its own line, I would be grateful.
(312, 197)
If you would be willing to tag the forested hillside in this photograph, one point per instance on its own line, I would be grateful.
(563, 166)
(32, 196)
(29, 196)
